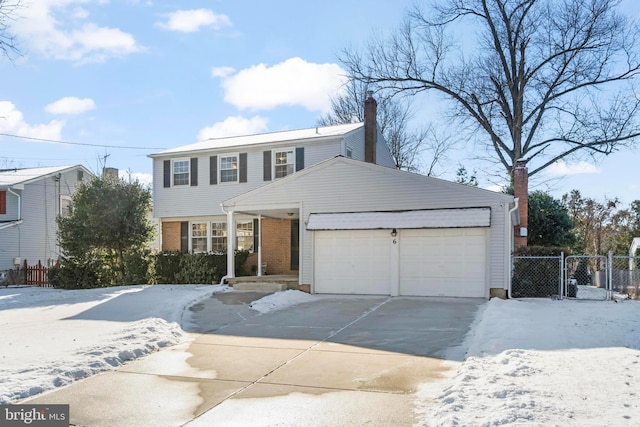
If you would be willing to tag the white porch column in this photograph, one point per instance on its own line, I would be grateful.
(259, 245)
(231, 240)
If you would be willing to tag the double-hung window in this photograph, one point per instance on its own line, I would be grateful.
(199, 237)
(218, 236)
(181, 172)
(244, 235)
(229, 168)
(284, 163)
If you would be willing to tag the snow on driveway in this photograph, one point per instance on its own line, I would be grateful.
(533, 362)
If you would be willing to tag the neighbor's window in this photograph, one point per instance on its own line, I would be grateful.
(65, 206)
(349, 152)
(199, 237)
(244, 236)
(284, 162)
(218, 236)
(181, 172)
(229, 168)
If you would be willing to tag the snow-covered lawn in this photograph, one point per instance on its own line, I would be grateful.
(534, 362)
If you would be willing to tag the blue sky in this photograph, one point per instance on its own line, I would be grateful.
(160, 74)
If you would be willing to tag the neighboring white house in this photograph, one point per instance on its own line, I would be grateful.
(30, 201)
(191, 182)
(367, 229)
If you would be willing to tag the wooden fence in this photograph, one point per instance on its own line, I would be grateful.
(36, 275)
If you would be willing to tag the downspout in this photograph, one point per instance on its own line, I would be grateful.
(226, 276)
(19, 219)
(509, 226)
(19, 203)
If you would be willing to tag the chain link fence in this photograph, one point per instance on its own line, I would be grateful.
(625, 275)
(585, 277)
(536, 277)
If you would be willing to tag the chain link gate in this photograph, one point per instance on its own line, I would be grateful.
(587, 277)
(536, 277)
(625, 275)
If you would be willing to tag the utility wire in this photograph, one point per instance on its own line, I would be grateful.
(80, 143)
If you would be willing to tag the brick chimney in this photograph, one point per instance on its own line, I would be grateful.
(521, 191)
(370, 128)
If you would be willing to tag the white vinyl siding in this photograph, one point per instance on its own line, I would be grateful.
(373, 188)
(36, 238)
(205, 200)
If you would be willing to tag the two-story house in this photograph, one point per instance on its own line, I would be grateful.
(191, 182)
(30, 201)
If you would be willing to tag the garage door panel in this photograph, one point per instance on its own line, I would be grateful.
(443, 262)
(352, 262)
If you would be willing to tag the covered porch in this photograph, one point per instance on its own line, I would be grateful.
(275, 261)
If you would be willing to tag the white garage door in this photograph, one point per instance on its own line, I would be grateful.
(431, 262)
(352, 262)
(443, 262)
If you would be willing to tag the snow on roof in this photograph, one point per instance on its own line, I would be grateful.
(265, 138)
(17, 176)
(429, 218)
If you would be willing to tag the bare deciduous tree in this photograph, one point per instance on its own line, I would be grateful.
(8, 10)
(543, 81)
(408, 146)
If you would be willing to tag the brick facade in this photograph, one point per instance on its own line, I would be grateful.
(170, 236)
(276, 245)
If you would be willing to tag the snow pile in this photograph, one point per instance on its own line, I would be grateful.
(51, 337)
(281, 300)
(544, 362)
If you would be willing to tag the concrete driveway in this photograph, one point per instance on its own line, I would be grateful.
(337, 361)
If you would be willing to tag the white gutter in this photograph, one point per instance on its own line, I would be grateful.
(509, 229)
(11, 224)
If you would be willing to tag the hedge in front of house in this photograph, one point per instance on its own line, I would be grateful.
(537, 277)
(185, 268)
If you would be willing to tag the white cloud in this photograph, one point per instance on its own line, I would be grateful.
(190, 21)
(292, 82)
(222, 71)
(12, 122)
(70, 105)
(146, 179)
(563, 168)
(234, 126)
(61, 30)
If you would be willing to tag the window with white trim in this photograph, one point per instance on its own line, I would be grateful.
(181, 172)
(65, 206)
(199, 237)
(229, 168)
(244, 236)
(284, 163)
(349, 152)
(218, 236)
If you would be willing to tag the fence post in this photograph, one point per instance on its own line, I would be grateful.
(561, 274)
(610, 275)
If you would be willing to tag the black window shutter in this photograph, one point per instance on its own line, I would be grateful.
(213, 170)
(266, 155)
(243, 167)
(167, 173)
(256, 234)
(184, 236)
(194, 171)
(299, 158)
